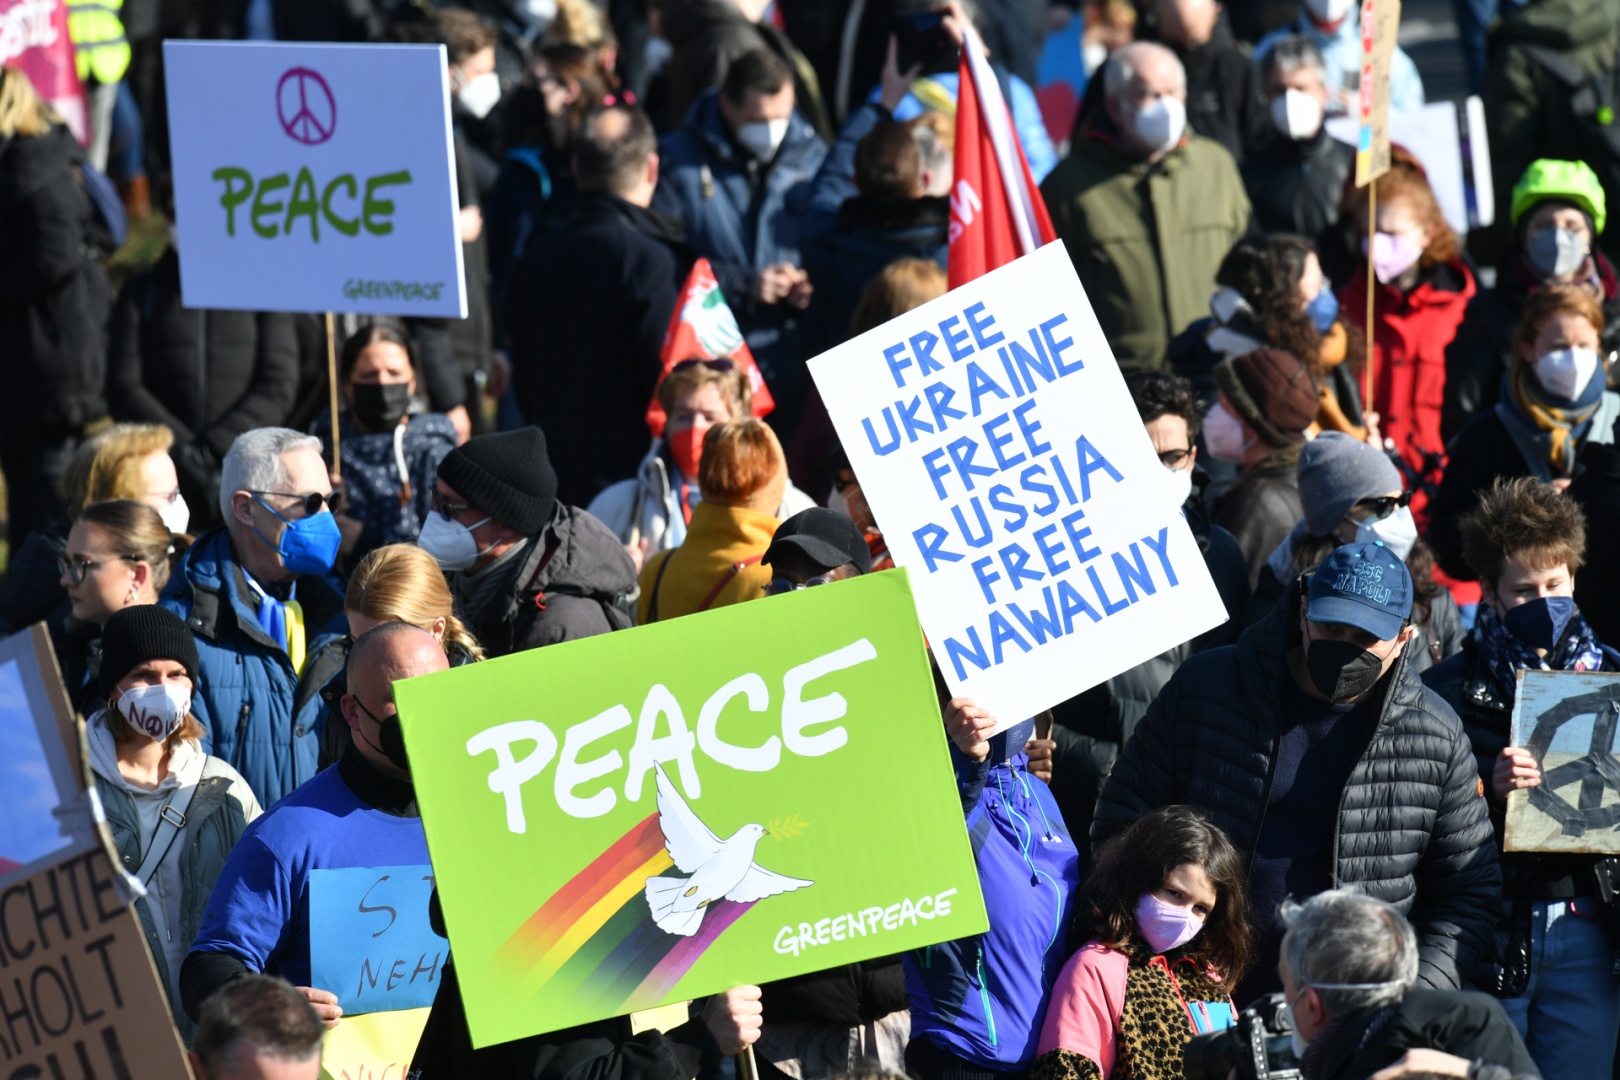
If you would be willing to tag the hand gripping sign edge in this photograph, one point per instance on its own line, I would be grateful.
(304, 125)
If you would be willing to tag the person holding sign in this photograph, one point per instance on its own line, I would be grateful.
(1556, 978)
(362, 813)
(261, 598)
(526, 570)
(1314, 747)
(175, 812)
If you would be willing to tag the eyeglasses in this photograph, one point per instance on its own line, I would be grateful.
(444, 506)
(74, 569)
(712, 365)
(781, 585)
(312, 502)
(1174, 459)
(169, 497)
(1382, 506)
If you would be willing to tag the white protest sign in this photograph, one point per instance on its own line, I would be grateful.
(314, 178)
(1004, 460)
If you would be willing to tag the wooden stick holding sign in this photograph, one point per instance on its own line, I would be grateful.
(1380, 20)
(332, 383)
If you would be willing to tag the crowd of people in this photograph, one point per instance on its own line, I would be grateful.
(1299, 813)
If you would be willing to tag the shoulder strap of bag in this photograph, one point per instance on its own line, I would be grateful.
(171, 819)
(726, 578)
(658, 580)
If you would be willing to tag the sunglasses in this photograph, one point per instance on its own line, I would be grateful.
(312, 502)
(1384, 505)
(442, 505)
(712, 365)
(75, 569)
(779, 586)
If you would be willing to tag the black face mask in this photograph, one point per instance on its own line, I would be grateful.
(390, 738)
(1342, 670)
(380, 406)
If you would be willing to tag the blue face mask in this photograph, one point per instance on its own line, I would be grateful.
(1323, 310)
(308, 545)
(1540, 623)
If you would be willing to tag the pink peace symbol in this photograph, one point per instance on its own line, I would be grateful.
(305, 106)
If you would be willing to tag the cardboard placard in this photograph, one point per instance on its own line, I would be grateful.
(369, 938)
(661, 813)
(1003, 458)
(376, 1046)
(315, 178)
(79, 994)
(1380, 26)
(1570, 721)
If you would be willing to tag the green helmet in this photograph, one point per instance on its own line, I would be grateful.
(1571, 181)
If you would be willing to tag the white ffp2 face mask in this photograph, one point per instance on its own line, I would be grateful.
(1180, 485)
(1296, 114)
(176, 515)
(1329, 12)
(1398, 532)
(478, 95)
(1566, 373)
(1159, 125)
(156, 711)
(1223, 434)
(451, 543)
(762, 138)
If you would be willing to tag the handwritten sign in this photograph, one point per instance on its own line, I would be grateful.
(369, 938)
(670, 819)
(377, 1046)
(1380, 24)
(1570, 723)
(315, 178)
(999, 449)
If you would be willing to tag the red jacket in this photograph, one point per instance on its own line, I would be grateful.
(1409, 363)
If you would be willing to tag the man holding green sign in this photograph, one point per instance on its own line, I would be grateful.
(642, 818)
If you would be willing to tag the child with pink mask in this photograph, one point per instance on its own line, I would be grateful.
(1165, 919)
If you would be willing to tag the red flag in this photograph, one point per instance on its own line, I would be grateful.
(997, 213)
(703, 328)
(34, 40)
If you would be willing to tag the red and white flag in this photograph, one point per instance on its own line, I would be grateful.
(703, 328)
(34, 40)
(997, 213)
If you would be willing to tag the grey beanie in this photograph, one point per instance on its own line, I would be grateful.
(1337, 471)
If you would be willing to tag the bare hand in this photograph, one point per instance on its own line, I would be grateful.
(499, 375)
(1375, 438)
(895, 85)
(1561, 484)
(325, 1002)
(734, 1018)
(1040, 753)
(968, 724)
(1424, 1061)
(799, 296)
(774, 282)
(471, 221)
(1515, 768)
(960, 26)
(461, 422)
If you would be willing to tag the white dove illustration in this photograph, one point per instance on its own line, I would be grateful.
(714, 869)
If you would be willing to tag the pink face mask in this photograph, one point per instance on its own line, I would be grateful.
(1393, 254)
(1163, 926)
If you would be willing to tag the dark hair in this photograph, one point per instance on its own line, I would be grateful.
(583, 67)
(888, 162)
(261, 1012)
(613, 163)
(1526, 518)
(371, 335)
(1139, 859)
(1266, 271)
(1159, 393)
(462, 33)
(757, 72)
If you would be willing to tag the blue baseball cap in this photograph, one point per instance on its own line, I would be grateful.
(1364, 586)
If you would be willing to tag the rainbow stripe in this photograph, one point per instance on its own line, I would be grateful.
(595, 942)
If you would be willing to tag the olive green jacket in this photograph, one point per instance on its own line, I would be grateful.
(1146, 239)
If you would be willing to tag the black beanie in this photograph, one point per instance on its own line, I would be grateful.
(140, 633)
(508, 476)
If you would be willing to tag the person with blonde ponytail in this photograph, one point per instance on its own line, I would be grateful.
(398, 583)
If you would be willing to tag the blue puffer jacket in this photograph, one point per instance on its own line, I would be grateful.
(742, 215)
(984, 998)
(260, 716)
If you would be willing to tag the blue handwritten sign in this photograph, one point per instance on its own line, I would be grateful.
(369, 938)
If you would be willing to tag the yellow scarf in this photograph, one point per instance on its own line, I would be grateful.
(1559, 424)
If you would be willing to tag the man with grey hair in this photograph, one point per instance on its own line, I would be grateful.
(258, 1028)
(260, 597)
(1298, 181)
(1146, 209)
(1349, 968)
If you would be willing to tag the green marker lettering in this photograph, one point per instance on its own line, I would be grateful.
(303, 203)
(374, 207)
(262, 208)
(346, 226)
(233, 196)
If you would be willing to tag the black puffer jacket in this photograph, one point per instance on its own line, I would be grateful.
(1413, 828)
(1471, 1026)
(53, 294)
(570, 586)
